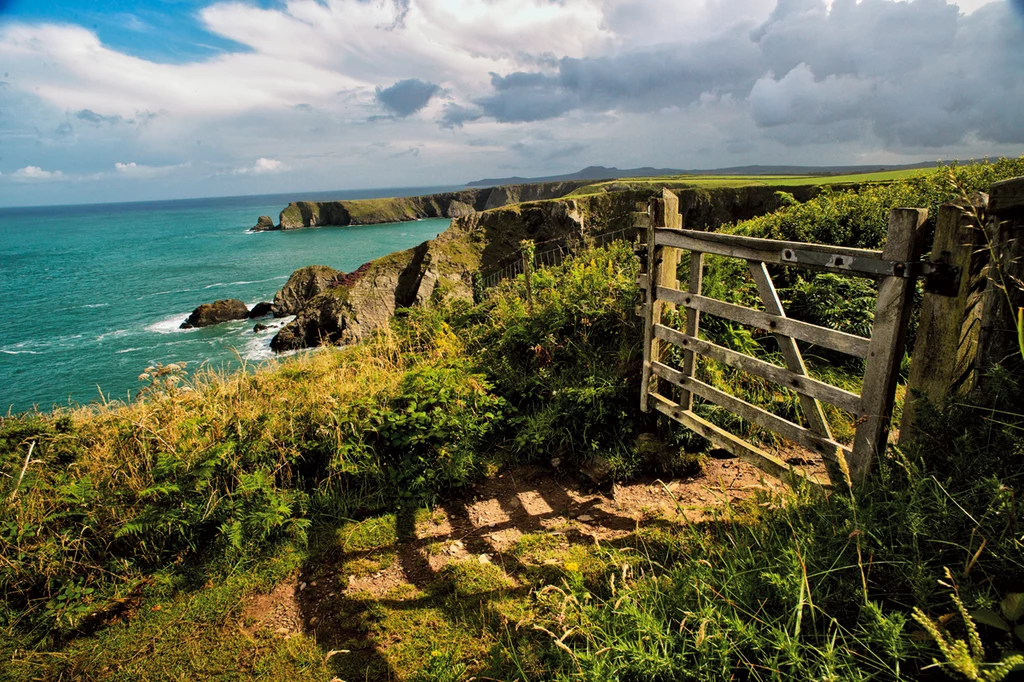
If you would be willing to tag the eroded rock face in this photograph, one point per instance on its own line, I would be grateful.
(304, 284)
(263, 224)
(261, 309)
(215, 313)
(351, 311)
(299, 214)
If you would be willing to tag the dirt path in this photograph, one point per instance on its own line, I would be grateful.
(347, 600)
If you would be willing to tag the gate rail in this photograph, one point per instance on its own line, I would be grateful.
(896, 267)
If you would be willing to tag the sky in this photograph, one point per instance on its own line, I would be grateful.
(122, 100)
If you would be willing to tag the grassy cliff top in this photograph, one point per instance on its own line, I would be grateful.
(717, 181)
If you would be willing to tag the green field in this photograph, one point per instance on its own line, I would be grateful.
(716, 181)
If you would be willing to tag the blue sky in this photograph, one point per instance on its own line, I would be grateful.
(131, 100)
(159, 30)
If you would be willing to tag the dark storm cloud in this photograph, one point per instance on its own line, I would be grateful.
(635, 81)
(406, 97)
(456, 115)
(914, 74)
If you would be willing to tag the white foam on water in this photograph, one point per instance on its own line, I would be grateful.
(241, 282)
(18, 352)
(257, 348)
(95, 305)
(170, 325)
(131, 350)
(113, 335)
(59, 341)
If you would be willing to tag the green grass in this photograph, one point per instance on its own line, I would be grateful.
(726, 181)
(390, 210)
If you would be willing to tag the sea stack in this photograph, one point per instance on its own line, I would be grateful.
(263, 224)
(215, 313)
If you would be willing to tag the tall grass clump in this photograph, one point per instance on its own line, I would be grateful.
(571, 368)
(227, 465)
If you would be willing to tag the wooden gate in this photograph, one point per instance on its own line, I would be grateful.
(895, 267)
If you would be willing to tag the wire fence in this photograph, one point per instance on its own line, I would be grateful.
(551, 253)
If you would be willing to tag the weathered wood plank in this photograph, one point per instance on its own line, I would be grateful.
(811, 333)
(737, 446)
(903, 242)
(695, 284)
(772, 245)
(670, 256)
(790, 351)
(652, 311)
(860, 262)
(671, 202)
(827, 448)
(998, 342)
(937, 362)
(1006, 198)
(791, 380)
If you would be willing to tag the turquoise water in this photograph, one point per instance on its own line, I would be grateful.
(92, 295)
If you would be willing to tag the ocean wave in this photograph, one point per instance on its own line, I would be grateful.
(257, 347)
(131, 350)
(170, 325)
(250, 281)
(164, 293)
(41, 345)
(112, 335)
(95, 305)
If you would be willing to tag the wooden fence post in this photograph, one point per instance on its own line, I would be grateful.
(903, 242)
(652, 308)
(942, 362)
(1004, 294)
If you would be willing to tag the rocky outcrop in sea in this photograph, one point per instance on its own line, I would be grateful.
(214, 313)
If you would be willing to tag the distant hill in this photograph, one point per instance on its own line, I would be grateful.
(594, 173)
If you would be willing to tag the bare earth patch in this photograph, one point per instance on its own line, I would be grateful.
(479, 537)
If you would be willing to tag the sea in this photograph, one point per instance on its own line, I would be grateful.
(92, 295)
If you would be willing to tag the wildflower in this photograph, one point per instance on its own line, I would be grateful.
(572, 566)
(435, 653)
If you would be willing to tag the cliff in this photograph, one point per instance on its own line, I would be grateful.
(443, 268)
(300, 214)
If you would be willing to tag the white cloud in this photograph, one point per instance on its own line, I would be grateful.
(135, 170)
(691, 83)
(31, 173)
(304, 52)
(262, 166)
